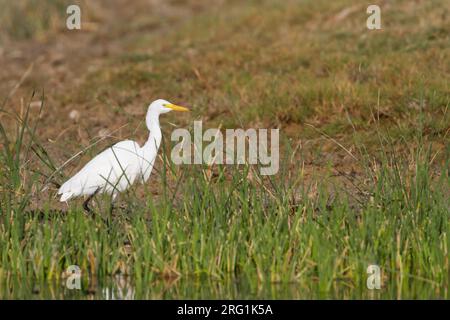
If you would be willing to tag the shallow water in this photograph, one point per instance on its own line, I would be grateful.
(120, 287)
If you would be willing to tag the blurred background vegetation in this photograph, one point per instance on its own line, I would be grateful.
(251, 63)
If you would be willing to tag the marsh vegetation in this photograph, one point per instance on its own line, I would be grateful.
(364, 161)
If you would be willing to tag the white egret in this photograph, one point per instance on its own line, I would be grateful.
(117, 168)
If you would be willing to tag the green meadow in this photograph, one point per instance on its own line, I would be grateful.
(364, 173)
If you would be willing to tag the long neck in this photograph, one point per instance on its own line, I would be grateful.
(154, 138)
(150, 148)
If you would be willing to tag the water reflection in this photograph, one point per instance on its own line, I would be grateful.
(122, 287)
(121, 290)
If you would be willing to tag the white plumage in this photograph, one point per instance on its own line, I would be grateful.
(118, 167)
(110, 171)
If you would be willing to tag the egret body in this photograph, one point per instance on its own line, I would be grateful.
(118, 167)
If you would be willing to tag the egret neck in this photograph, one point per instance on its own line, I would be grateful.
(150, 148)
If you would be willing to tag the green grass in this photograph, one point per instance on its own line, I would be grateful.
(34, 19)
(234, 223)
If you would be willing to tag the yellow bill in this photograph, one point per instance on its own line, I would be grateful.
(175, 107)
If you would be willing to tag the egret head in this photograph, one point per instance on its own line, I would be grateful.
(158, 107)
(163, 106)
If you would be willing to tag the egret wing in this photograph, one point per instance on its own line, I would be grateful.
(104, 171)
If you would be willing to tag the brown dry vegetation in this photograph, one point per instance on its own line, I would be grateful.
(311, 69)
(276, 64)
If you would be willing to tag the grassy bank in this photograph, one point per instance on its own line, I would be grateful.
(364, 163)
(227, 222)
